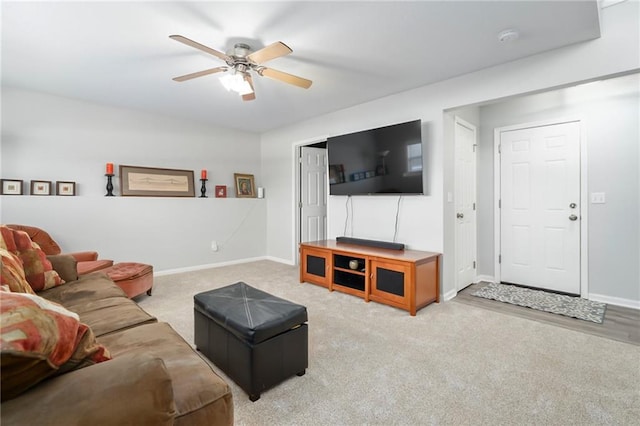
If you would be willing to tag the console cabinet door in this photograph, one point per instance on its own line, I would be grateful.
(390, 282)
(315, 266)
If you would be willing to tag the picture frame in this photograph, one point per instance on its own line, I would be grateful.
(65, 188)
(155, 182)
(40, 187)
(245, 185)
(10, 187)
(221, 191)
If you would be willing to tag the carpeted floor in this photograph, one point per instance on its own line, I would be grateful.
(452, 364)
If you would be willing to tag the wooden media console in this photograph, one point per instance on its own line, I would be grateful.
(406, 279)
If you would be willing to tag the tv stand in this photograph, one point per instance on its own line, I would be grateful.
(407, 279)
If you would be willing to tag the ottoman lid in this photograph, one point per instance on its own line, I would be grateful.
(249, 313)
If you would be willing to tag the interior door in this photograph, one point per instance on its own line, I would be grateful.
(540, 207)
(313, 194)
(465, 202)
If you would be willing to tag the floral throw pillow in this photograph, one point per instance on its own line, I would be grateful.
(37, 269)
(12, 273)
(40, 339)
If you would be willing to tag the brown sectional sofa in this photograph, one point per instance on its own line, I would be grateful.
(154, 377)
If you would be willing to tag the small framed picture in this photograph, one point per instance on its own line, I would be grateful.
(65, 188)
(40, 187)
(245, 185)
(10, 187)
(221, 191)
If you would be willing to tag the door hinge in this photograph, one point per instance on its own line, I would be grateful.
(474, 147)
(474, 206)
(474, 264)
(500, 203)
(500, 149)
(499, 258)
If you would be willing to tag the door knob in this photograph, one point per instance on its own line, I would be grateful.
(573, 217)
(459, 215)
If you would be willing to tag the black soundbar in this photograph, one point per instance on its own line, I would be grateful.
(370, 243)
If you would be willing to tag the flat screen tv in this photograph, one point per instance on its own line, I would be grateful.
(385, 160)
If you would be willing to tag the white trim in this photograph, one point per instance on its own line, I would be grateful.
(208, 266)
(486, 278)
(449, 295)
(280, 260)
(584, 195)
(618, 301)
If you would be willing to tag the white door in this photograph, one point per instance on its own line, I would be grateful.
(465, 202)
(540, 207)
(313, 194)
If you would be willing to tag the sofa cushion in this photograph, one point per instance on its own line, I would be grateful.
(112, 314)
(39, 339)
(200, 394)
(12, 273)
(65, 265)
(37, 269)
(39, 236)
(86, 288)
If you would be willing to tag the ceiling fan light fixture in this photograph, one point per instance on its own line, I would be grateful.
(236, 82)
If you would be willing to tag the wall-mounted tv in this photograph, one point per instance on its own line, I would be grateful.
(385, 160)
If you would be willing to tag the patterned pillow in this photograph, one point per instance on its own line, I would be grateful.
(39, 339)
(37, 269)
(12, 273)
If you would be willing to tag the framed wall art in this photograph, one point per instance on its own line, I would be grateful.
(40, 187)
(221, 191)
(65, 188)
(154, 182)
(10, 187)
(245, 185)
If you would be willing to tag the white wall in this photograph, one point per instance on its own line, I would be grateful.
(52, 138)
(422, 222)
(610, 114)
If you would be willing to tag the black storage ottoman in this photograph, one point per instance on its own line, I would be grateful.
(257, 339)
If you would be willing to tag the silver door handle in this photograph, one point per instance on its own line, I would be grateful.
(573, 217)
(459, 215)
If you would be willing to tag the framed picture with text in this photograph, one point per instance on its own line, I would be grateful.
(221, 191)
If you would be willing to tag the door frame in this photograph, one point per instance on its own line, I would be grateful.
(584, 199)
(297, 188)
(457, 120)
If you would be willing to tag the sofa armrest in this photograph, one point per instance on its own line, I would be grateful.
(84, 256)
(65, 265)
(130, 389)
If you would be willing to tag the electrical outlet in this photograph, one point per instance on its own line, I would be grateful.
(597, 198)
(214, 246)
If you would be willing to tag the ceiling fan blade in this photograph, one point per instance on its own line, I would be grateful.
(199, 74)
(199, 46)
(274, 50)
(249, 96)
(285, 77)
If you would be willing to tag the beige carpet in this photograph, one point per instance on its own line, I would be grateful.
(452, 364)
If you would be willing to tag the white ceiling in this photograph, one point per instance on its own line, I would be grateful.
(119, 53)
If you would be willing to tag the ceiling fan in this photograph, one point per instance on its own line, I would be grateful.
(240, 61)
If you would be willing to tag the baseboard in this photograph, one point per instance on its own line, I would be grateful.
(207, 266)
(618, 301)
(280, 260)
(449, 295)
(485, 278)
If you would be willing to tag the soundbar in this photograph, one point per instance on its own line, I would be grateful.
(371, 243)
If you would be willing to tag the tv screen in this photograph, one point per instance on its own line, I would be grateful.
(386, 160)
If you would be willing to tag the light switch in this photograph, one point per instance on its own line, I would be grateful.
(597, 198)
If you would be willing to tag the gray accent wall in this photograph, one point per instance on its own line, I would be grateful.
(610, 114)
